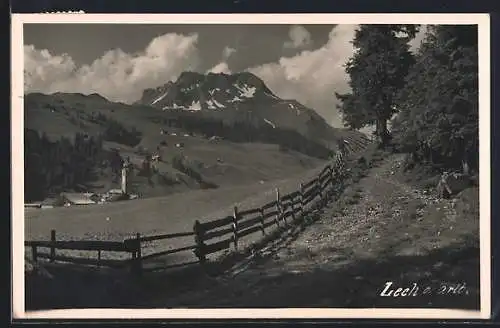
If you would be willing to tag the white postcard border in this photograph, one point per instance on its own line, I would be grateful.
(18, 299)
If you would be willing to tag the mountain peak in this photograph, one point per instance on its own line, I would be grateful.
(189, 77)
(213, 91)
(233, 97)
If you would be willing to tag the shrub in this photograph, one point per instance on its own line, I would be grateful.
(166, 180)
(179, 163)
(115, 131)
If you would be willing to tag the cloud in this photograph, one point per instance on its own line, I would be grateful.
(116, 75)
(41, 66)
(223, 66)
(227, 52)
(312, 76)
(299, 37)
(220, 68)
(415, 43)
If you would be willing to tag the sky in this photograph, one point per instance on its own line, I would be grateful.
(119, 61)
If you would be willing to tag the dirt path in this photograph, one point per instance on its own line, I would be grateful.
(380, 230)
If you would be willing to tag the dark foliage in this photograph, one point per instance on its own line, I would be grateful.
(180, 163)
(377, 71)
(52, 166)
(245, 131)
(115, 131)
(438, 122)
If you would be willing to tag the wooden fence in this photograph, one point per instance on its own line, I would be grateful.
(211, 236)
(81, 245)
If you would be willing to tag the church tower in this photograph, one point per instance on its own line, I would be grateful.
(124, 177)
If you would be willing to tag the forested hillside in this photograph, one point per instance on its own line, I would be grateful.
(52, 166)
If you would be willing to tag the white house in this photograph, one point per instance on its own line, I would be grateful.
(79, 198)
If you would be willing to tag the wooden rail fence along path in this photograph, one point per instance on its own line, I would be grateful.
(98, 246)
(230, 232)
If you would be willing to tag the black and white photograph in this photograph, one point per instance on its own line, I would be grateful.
(280, 164)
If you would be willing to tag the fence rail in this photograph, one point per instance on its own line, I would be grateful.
(85, 245)
(82, 245)
(207, 234)
(165, 236)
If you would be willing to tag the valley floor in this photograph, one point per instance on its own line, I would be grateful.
(380, 230)
(168, 214)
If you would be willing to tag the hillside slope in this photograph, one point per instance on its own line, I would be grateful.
(259, 137)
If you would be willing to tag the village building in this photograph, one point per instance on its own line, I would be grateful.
(71, 199)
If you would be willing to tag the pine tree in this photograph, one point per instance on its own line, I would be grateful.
(377, 71)
(439, 118)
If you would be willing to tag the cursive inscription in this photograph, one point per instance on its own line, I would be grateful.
(441, 289)
(390, 291)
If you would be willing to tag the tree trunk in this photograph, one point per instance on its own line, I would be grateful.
(382, 133)
(465, 167)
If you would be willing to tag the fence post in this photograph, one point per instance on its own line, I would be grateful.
(301, 189)
(138, 258)
(34, 252)
(284, 208)
(332, 182)
(340, 172)
(130, 246)
(200, 243)
(321, 191)
(235, 227)
(278, 207)
(52, 246)
(325, 187)
(318, 192)
(335, 182)
(261, 213)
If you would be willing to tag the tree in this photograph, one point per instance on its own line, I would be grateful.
(377, 71)
(54, 165)
(439, 118)
(354, 116)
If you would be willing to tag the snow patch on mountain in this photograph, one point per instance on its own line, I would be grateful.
(235, 99)
(191, 87)
(218, 104)
(297, 111)
(210, 104)
(270, 123)
(272, 96)
(195, 106)
(245, 90)
(160, 98)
